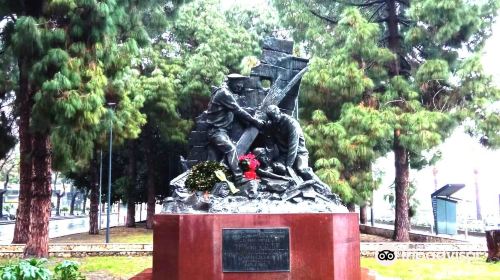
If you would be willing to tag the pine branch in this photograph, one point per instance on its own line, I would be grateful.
(403, 58)
(376, 12)
(435, 95)
(6, 159)
(367, 4)
(404, 21)
(327, 19)
(394, 101)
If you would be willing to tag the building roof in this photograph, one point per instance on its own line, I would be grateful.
(447, 190)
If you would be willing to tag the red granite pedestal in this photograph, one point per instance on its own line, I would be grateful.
(322, 246)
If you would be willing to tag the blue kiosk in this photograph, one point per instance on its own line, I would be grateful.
(444, 208)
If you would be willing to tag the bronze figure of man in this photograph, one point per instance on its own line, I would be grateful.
(221, 111)
(289, 139)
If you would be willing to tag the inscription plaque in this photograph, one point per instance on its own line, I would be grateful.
(255, 250)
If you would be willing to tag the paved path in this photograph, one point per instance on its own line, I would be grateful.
(66, 225)
(469, 238)
(59, 227)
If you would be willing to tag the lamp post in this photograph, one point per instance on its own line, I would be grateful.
(100, 192)
(111, 106)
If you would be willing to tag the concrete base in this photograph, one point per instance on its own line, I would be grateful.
(322, 246)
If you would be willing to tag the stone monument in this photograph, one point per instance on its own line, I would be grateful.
(249, 206)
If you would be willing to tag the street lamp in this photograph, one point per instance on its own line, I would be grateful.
(100, 191)
(111, 106)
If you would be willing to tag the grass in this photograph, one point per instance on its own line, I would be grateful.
(437, 269)
(138, 234)
(115, 266)
(118, 267)
(122, 267)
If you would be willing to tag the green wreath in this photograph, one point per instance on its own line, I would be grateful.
(202, 176)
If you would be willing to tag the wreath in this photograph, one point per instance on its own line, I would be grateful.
(202, 176)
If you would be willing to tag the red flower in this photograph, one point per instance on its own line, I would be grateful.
(251, 164)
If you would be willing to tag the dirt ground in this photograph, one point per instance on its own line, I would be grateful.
(373, 238)
(139, 234)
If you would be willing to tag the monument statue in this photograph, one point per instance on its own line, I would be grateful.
(253, 131)
(220, 115)
(290, 142)
(265, 212)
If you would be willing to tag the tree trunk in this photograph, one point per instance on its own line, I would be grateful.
(94, 197)
(21, 230)
(58, 204)
(393, 40)
(362, 214)
(72, 203)
(1, 202)
(493, 243)
(132, 176)
(38, 242)
(2, 192)
(151, 176)
(351, 207)
(401, 160)
(58, 196)
(151, 203)
(84, 201)
(402, 164)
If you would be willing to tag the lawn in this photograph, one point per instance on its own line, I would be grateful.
(121, 267)
(99, 268)
(438, 269)
(117, 266)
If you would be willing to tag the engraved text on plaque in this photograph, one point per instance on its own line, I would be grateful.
(255, 250)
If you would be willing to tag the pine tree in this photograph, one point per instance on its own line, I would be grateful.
(73, 58)
(160, 86)
(210, 46)
(176, 73)
(425, 90)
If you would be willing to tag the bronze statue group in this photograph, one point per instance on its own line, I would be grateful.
(282, 162)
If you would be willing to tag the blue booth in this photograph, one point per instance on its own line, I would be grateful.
(444, 208)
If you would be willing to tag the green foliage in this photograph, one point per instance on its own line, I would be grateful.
(29, 269)
(345, 161)
(374, 92)
(202, 176)
(35, 269)
(7, 139)
(211, 45)
(349, 133)
(68, 270)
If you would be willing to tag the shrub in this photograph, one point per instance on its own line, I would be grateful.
(68, 270)
(202, 176)
(29, 269)
(34, 269)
